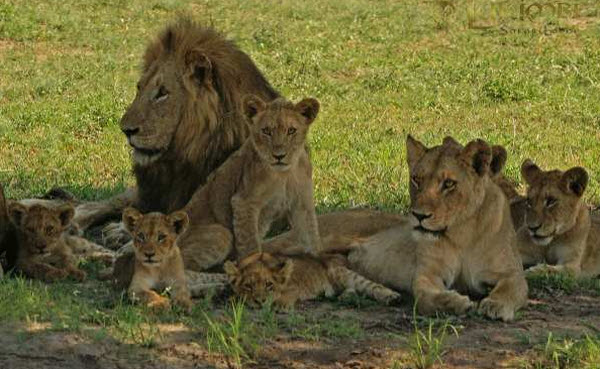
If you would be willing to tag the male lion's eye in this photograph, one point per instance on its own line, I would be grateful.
(448, 184)
(415, 181)
(291, 130)
(550, 201)
(266, 131)
(161, 94)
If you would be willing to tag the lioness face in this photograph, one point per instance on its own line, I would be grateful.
(41, 225)
(258, 278)
(154, 234)
(446, 184)
(553, 200)
(279, 129)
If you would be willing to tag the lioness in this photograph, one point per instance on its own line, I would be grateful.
(559, 229)
(43, 252)
(158, 263)
(288, 279)
(268, 178)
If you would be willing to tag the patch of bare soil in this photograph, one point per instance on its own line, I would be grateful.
(383, 341)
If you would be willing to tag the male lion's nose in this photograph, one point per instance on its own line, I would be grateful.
(533, 229)
(130, 131)
(279, 157)
(421, 216)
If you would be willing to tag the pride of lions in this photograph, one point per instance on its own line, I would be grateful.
(221, 162)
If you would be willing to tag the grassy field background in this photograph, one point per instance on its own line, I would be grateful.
(381, 69)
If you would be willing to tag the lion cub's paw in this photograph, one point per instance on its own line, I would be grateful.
(544, 269)
(185, 303)
(495, 309)
(392, 299)
(159, 303)
(78, 274)
(115, 235)
(454, 302)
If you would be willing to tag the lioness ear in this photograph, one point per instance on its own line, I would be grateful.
(130, 218)
(282, 276)
(309, 108)
(529, 171)
(478, 155)
(414, 151)
(231, 270)
(65, 214)
(574, 180)
(16, 212)
(498, 159)
(253, 105)
(179, 220)
(198, 67)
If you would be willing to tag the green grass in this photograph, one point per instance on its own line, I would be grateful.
(568, 352)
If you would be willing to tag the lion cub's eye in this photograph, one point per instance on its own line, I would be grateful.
(550, 201)
(161, 94)
(415, 181)
(291, 130)
(49, 231)
(161, 238)
(270, 286)
(140, 237)
(266, 131)
(448, 184)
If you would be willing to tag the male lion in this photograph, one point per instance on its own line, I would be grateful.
(559, 229)
(8, 242)
(288, 279)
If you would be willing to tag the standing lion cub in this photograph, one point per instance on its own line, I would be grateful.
(158, 263)
(268, 178)
(559, 229)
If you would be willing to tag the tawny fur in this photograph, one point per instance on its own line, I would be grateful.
(288, 279)
(559, 233)
(269, 178)
(43, 251)
(158, 262)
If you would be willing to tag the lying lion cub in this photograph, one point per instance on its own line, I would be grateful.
(268, 178)
(287, 279)
(43, 251)
(158, 263)
(559, 229)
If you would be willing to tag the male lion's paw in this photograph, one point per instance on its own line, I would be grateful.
(453, 302)
(115, 235)
(159, 303)
(495, 309)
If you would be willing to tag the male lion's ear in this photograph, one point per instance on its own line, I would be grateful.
(65, 214)
(130, 218)
(450, 141)
(574, 180)
(283, 275)
(231, 270)
(16, 212)
(198, 67)
(499, 156)
(478, 155)
(414, 151)
(529, 171)
(253, 105)
(179, 220)
(309, 108)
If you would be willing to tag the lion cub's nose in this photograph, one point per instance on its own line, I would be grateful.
(130, 131)
(149, 254)
(279, 157)
(420, 216)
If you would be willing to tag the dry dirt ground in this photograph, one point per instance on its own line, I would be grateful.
(382, 340)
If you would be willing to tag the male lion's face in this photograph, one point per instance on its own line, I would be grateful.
(258, 278)
(553, 200)
(154, 234)
(40, 224)
(446, 183)
(279, 129)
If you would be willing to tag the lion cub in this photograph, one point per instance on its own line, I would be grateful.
(43, 251)
(559, 229)
(268, 178)
(158, 263)
(288, 279)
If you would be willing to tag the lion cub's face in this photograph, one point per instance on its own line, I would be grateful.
(154, 234)
(446, 183)
(40, 223)
(279, 129)
(258, 277)
(553, 200)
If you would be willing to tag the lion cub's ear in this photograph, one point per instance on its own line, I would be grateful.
(414, 151)
(499, 156)
(16, 212)
(283, 275)
(232, 271)
(179, 220)
(309, 108)
(530, 172)
(130, 218)
(253, 105)
(478, 155)
(65, 214)
(574, 180)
